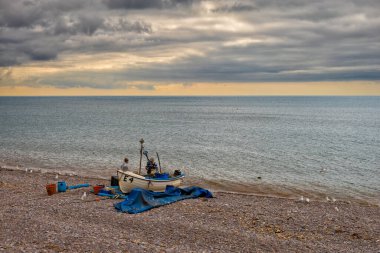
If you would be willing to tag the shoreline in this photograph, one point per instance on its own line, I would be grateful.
(31, 221)
(259, 188)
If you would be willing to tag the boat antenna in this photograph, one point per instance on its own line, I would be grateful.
(159, 162)
(141, 152)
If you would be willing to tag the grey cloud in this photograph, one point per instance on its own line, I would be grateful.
(8, 60)
(235, 7)
(133, 4)
(8, 36)
(136, 26)
(146, 4)
(79, 80)
(17, 47)
(63, 26)
(18, 14)
(40, 30)
(269, 64)
(65, 6)
(144, 87)
(88, 24)
(82, 24)
(40, 50)
(29, 13)
(123, 24)
(42, 54)
(229, 73)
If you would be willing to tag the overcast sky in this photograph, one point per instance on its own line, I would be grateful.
(141, 44)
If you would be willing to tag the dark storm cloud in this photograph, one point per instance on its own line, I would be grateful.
(41, 30)
(19, 14)
(18, 46)
(235, 7)
(97, 80)
(8, 60)
(83, 24)
(42, 54)
(237, 41)
(88, 24)
(123, 24)
(133, 4)
(144, 87)
(271, 63)
(146, 4)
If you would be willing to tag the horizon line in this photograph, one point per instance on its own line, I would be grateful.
(335, 95)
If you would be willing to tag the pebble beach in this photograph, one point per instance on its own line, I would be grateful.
(32, 221)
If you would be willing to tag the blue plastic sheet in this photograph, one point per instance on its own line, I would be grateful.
(140, 200)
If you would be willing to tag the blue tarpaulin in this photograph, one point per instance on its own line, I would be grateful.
(140, 200)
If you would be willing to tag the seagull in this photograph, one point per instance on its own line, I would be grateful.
(84, 196)
(56, 176)
(337, 209)
(26, 170)
(307, 200)
(30, 170)
(301, 199)
(333, 199)
(327, 198)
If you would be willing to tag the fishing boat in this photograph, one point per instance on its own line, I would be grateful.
(129, 180)
(152, 181)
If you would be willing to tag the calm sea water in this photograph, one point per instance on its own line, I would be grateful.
(287, 146)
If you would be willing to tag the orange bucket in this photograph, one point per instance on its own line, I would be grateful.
(51, 189)
(97, 188)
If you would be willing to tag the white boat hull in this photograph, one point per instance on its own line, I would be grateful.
(129, 180)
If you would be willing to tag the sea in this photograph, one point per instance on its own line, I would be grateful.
(317, 147)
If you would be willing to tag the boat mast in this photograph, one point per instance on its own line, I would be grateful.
(159, 163)
(141, 152)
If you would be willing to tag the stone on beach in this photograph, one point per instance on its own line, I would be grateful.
(227, 223)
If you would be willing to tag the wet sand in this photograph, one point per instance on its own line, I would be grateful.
(32, 221)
